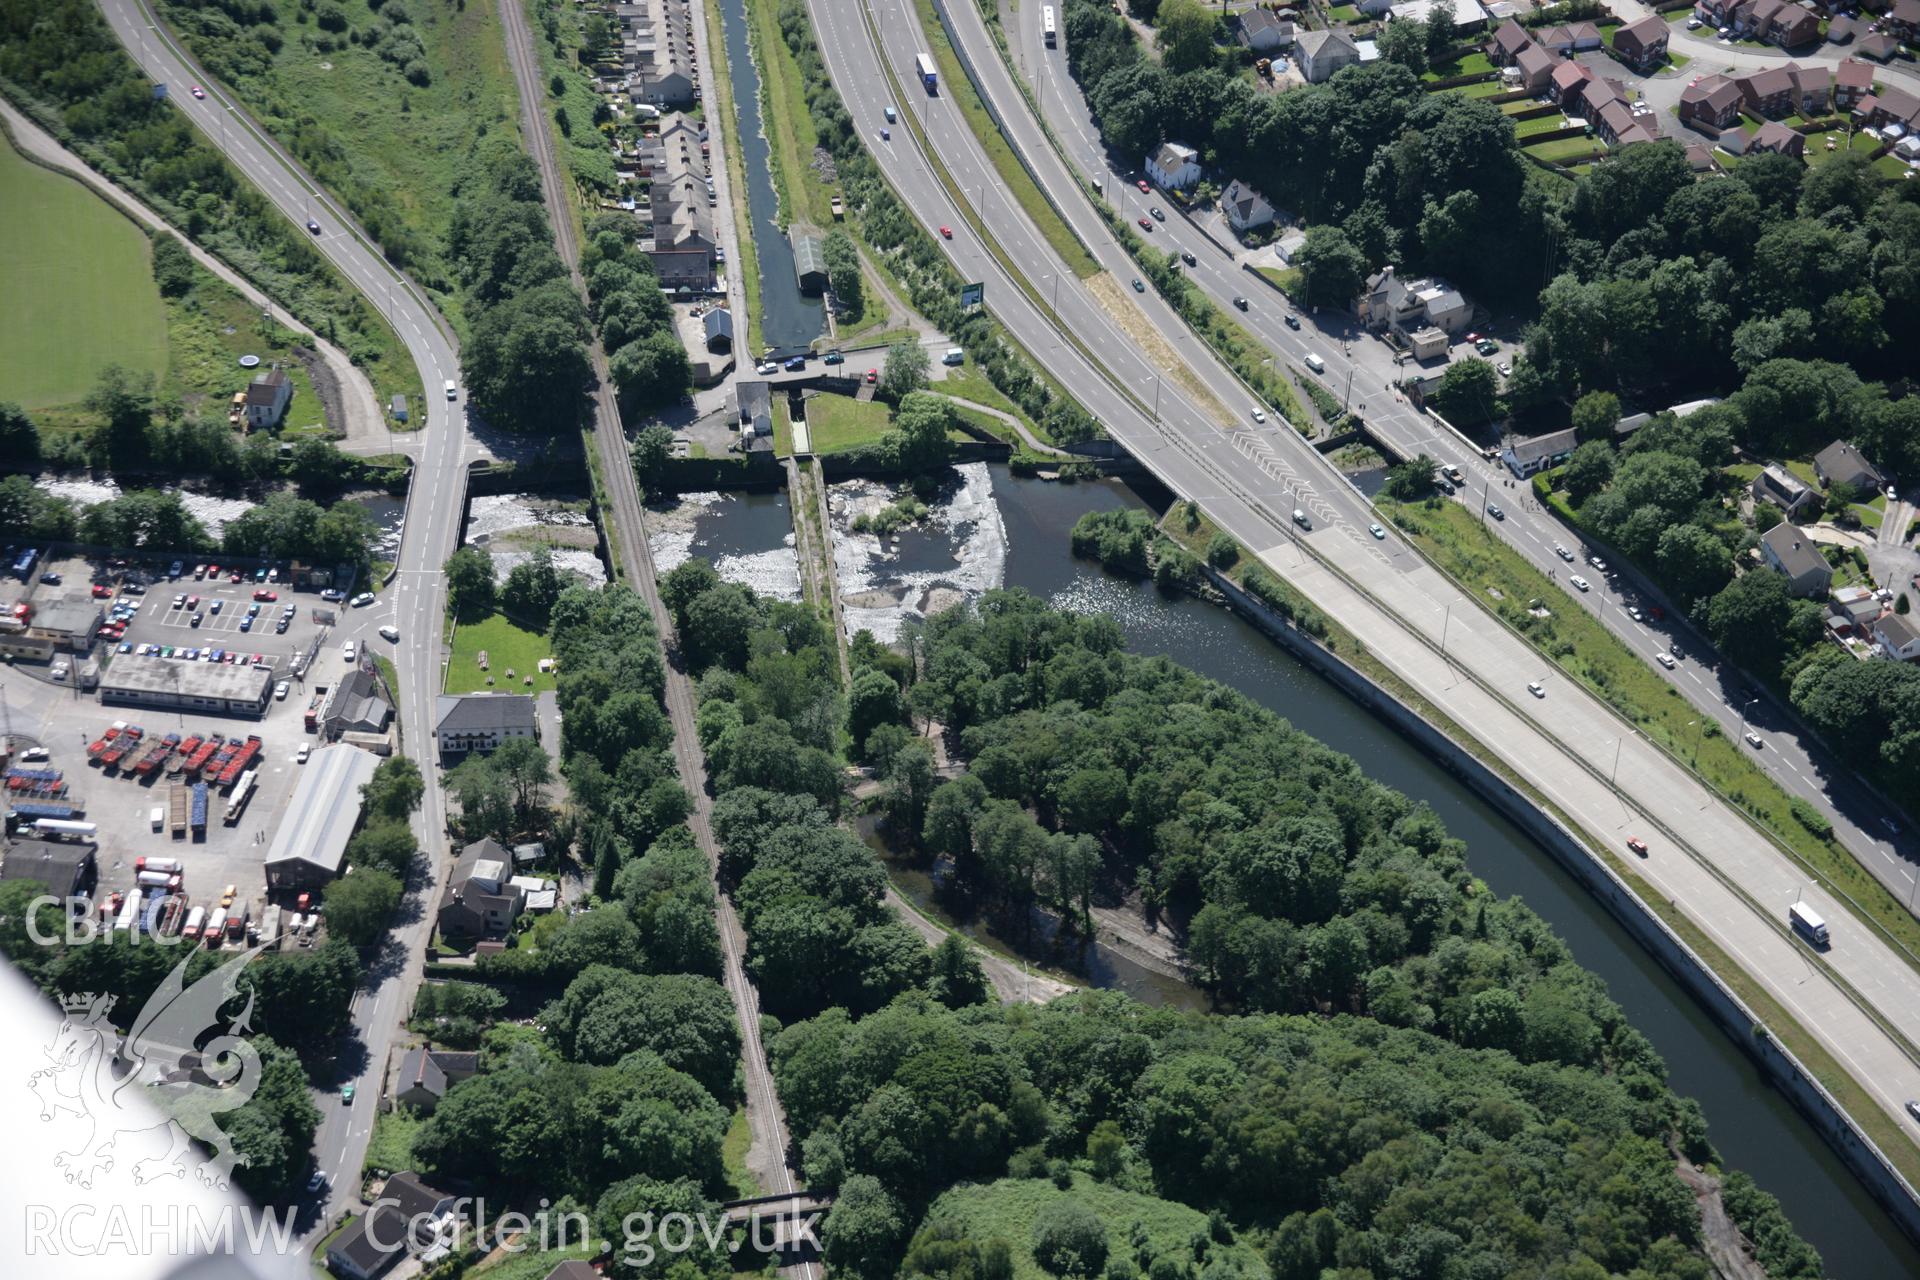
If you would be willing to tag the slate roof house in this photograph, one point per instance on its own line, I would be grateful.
(1246, 208)
(1525, 457)
(1782, 488)
(1173, 166)
(1321, 53)
(268, 396)
(1264, 31)
(481, 901)
(482, 721)
(1788, 550)
(426, 1075)
(1841, 463)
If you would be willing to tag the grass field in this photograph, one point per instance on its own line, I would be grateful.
(507, 646)
(1580, 645)
(391, 149)
(78, 286)
(841, 422)
(1008, 1207)
(1019, 183)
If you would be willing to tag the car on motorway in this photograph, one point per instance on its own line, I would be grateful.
(313, 226)
(1580, 583)
(1597, 563)
(1537, 689)
(1138, 286)
(1142, 184)
(1240, 303)
(1893, 828)
(1664, 659)
(889, 113)
(873, 376)
(1186, 256)
(197, 92)
(1563, 553)
(362, 600)
(1913, 1109)
(1159, 214)
(1259, 415)
(1638, 845)
(1673, 647)
(1493, 509)
(1377, 531)
(1753, 739)
(280, 691)
(1146, 224)
(946, 233)
(886, 135)
(766, 366)
(1292, 321)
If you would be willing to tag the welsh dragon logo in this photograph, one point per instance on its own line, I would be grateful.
(99, 1080)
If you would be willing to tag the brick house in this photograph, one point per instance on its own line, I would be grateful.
(1711, 103)
(1642, 44)
(1853, 80)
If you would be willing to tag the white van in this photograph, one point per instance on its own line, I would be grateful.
(157, 816)
(453, 389)
(1315, 363)
(954, 356)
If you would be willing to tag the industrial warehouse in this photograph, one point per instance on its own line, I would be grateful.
(215, 688)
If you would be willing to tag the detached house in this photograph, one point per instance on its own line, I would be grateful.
(1173, 166)
(1774, 136)
(1565, 41)
(1321, 53)
(1896, 638)
(1392, 302)
(1777, 485)
(268, 396)
(1710, 103)
(427, 1074)
(1246, 208)
(1508, 40)
(1787, 550)
(1525, 457)
(481, 902)
(1841, 463)
(1642, 44)
(482, 721)
(1265, 31)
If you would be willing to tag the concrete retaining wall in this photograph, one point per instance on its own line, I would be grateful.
(1822, 1111)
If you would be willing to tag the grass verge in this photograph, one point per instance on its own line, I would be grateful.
(79, 288)
(733, 1156)
(508, 646)
(1019, 183)
(1580, 645)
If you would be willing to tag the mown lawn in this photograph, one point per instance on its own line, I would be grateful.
(1008, 1207)
(1565, 148)
(836, 422)
(78, 285)
(1473, 64)
(1580, 645)
(390, 148)
(506, 646)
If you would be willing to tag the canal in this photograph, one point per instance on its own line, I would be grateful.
(1751, 1124)
(789, 320)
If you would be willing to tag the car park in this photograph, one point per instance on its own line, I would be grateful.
(102, 592)
(215, 605)
(260, 574)
(1664, 659)
(1579, 583)
(246, 624)
(1486, 346)
(268, 596)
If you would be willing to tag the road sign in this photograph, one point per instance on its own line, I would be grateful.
(971, 295)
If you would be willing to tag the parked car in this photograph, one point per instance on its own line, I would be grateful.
(873, 376)
(351, 650)
(268, 596)
(766, 366)
(333, 595)
(280, 691)
(795, 364)
(50, 579)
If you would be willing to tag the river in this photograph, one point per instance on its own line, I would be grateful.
(1752, 1125)
(789, 320)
